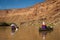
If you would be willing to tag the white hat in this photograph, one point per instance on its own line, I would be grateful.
(12, 24)
(43, 23)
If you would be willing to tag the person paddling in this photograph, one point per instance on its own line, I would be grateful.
(14, 28)
(44, 26)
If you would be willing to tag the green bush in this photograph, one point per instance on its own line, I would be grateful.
(4, 24)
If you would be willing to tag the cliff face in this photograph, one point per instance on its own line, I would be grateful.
(49, 10)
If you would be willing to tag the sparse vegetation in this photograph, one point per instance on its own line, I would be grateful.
(4, 24)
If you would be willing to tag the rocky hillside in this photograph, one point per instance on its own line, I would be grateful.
(48, 10)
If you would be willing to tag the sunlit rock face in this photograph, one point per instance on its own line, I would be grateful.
(50, 10)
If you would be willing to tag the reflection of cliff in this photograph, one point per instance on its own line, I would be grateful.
(48, 9)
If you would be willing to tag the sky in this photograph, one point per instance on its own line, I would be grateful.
(11, 4)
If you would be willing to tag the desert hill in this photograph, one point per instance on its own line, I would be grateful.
(48, 9)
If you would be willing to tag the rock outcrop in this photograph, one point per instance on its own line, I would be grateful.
(49, 10)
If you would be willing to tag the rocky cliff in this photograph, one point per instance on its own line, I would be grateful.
(48, 10)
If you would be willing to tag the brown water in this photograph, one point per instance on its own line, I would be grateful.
(28, 33)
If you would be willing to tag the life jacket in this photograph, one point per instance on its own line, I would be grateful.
(44, 27)
(13, 27)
